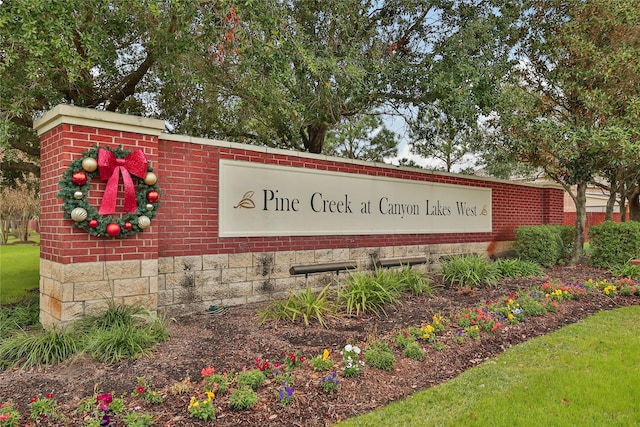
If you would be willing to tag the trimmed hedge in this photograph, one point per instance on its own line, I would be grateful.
(614, 243)
(546, 245)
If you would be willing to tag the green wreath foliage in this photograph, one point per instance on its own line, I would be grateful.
(68, 188)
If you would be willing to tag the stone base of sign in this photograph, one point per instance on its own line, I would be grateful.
(193, 283)
(69, 291)
(183, 285)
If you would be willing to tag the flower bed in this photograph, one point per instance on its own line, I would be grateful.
(453, 330)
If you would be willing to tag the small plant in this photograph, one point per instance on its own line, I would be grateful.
(119, 342)
(469, 271)
(473, 332)
(292, 360)
(410, 280)
(533, 303)
(630, 271)
(351, 360)
(306, 305)
(9, 415)
(322, 362)
(43, 407)
(483, 318)
(413, 351)
(369, 293)
(330, 383)
(202, 409)
(211, 381)
(285, 394)
(428, 333)
(286, 378)
(144, 390)
(243, 398)
(136, 419)
(100, 408)
(403, 339)
(518, 268)
(380, 356)
(30, 349)
(261, 364)
(628, 287)
(181, 387)
(253, 378)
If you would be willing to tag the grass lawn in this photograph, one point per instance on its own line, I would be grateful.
(585, 374)
(19, 271)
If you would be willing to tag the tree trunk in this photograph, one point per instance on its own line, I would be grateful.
(634, 204)
(611, 202)
(314, 138)
(623, 208)
(580, 199)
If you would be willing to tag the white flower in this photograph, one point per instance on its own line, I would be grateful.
(356, 349)
(348, 347)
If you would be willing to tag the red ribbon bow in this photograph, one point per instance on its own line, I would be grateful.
(110, 168)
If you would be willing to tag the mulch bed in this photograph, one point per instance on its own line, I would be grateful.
(233, 340)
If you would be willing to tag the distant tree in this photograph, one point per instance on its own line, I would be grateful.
(462, 83)
(18, 206)
(363, 139)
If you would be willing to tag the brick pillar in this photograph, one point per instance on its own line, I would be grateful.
(81, 273)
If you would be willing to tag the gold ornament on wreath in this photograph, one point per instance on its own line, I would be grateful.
(114, 165)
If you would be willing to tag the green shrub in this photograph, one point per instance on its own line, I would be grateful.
(14, 318)
(30, 349)
(306, 305)
(411, 280)
(614, 243)
(369, 292)
(567, 237)
(380, 356)
(253, 378)
(469, 270)
(243, 398)
(119, 342)
(541, 244)
(413, 351)
(518, 268)
(114, 316)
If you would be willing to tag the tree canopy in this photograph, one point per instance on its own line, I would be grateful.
(572, 106)
(276, 73)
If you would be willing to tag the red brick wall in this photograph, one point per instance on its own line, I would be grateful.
(187, 223)
(593, 218)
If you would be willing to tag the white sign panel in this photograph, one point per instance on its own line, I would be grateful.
(267, 200)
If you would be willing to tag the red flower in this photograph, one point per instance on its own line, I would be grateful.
(140, 390)
(105, 398)
(33, 399)
(208, 371)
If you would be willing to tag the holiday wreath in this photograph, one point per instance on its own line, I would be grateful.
(110, 164)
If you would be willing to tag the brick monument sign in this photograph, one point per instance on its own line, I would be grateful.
(130, 214)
